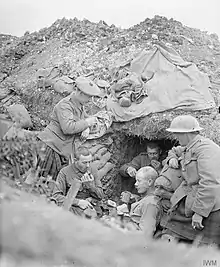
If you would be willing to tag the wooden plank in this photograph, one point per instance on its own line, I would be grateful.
(71, 194)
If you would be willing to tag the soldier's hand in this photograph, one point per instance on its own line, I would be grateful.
(85, 134)
(155, 164)
(131, 171)
(91, 121)
(173, 163)
(84, 204)
(87, 177)
(197, 222)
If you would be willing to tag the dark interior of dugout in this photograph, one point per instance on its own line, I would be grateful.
(127, 148)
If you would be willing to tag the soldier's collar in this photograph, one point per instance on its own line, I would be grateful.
(193, 142)
(76, 101)
(77, 168)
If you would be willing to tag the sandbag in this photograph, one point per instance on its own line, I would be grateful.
(101, 152)
(49, 73)
(103, 171)
(45, 77)
(104, 159)
(20, 115)
(102, 83)
(94, 149)
(98, 164)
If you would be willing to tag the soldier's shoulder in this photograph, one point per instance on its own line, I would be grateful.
(71, 169)
(65, 169)
(63, 102)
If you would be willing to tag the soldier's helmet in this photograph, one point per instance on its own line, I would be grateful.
(184, 124)
(87, 86)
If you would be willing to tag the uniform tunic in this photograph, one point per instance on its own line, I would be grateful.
(87, 189)
(67, 122)
(146, 213)
(200, 190)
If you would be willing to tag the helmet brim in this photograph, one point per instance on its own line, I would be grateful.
(183, 130)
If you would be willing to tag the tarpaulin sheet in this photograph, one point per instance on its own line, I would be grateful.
(172, 83)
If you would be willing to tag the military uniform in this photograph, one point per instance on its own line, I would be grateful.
(141, 216)
(200, 168)
(142, 160)
(67, 122)
(88, 189)
(200, 190)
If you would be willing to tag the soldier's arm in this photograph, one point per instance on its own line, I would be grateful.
(148, 222)
(59, 192)
(135, 163)
(208, 171)
(69, 122)
(96, 186)
(175, 152)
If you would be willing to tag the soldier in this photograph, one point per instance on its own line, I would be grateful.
(195, 204)
(145, 213)
(90, 185)
(151, 158)
(68, 121)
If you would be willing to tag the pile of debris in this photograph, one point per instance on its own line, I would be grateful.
(99, 38)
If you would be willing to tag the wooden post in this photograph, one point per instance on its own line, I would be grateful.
(71, 194)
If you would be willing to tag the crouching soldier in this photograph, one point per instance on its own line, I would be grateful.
(90, 186)
(152, 157)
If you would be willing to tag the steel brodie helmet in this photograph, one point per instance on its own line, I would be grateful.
(184, 124)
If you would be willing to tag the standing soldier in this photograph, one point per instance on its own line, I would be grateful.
(195, 204)
(68, 121)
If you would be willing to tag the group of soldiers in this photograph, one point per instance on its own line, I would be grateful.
(176, 197)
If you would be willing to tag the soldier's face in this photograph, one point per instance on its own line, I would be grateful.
(153, 153)
(142, 183)
(182, 138)
(84, 162)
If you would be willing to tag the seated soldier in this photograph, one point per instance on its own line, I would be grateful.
(89, 189)
(145, 214)
(154, 200)
(153, 157)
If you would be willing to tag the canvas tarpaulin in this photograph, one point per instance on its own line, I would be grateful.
(172, 83)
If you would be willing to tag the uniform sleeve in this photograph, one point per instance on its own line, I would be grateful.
(135, 163)
(175, 152)
(149, 219)
(95, 186)
(59, 192)
(208, 171)
(69, 122)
